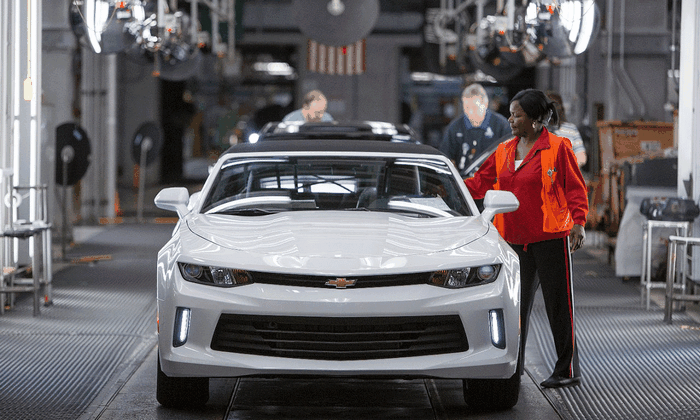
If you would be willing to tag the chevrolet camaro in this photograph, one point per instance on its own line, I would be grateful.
(338, 258)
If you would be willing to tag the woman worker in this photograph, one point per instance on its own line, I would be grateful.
(541, 170)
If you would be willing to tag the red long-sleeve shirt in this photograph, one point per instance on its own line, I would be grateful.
(525, 225)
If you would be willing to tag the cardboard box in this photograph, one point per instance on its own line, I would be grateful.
(623, 139)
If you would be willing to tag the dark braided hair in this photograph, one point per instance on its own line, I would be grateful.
(537, 106)
(558, 103)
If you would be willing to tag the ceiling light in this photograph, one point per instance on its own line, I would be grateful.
(274, 68)
(564, 29)
(336, 7)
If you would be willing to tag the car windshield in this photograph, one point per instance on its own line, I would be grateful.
(415, 187)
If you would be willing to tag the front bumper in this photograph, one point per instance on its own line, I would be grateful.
(196, 358)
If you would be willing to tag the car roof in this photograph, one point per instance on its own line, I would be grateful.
(361, 130)
(370, 146)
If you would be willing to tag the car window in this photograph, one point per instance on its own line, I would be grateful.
(476, 163)
(415, 187)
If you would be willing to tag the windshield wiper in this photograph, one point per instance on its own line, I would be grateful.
(250, 211)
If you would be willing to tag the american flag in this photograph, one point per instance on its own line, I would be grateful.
(345, 60)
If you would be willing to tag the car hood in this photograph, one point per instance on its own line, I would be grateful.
(337, 234)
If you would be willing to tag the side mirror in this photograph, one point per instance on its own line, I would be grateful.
(496, 202)
(173, 199)
(193, 200)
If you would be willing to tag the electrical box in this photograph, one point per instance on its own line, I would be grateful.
(624, 139)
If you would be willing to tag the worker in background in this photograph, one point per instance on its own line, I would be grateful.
(468, 135)
(541, 170)
(313, 109)
(567, 129)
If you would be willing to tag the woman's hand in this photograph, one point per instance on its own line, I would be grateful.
(576, 237)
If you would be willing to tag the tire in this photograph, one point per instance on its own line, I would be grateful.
(492, 394)
(181, 392)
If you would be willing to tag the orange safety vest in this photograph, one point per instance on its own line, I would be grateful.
(556, 214)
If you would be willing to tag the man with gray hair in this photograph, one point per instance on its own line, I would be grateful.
(313, 109)
(470, 134)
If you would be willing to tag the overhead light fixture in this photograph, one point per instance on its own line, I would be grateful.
(102, 24)
(564, 28)
(336, 7)
(274, 68)
(590, 23)
(96, 19)
(434, 77)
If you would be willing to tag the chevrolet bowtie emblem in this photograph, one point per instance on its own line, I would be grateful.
(341, 282)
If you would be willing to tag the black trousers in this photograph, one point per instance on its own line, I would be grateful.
(548, 263)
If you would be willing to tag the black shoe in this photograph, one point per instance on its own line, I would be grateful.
(560, 382)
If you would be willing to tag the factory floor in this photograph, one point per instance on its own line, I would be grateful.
(91, 354)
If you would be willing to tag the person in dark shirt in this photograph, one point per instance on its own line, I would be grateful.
(468, 135)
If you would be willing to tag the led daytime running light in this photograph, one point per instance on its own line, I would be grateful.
(182, 326)
(497, 327)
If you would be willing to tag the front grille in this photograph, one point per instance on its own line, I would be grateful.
(339, 338)
(361, 281)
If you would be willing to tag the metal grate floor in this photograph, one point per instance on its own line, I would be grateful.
(103, 315)
(633, 365)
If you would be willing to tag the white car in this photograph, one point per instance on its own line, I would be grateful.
(340, 258)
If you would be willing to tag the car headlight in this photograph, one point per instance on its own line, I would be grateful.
(215, 276)
(465, 277)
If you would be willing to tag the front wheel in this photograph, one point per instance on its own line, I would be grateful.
(492, 394)
(181, 392)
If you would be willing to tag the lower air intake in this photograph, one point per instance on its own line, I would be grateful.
(341, 338)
